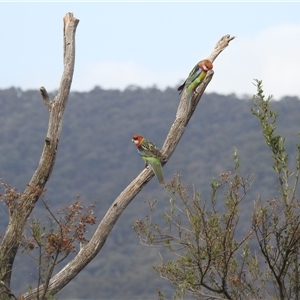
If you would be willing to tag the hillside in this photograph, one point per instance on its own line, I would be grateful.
(97, 160)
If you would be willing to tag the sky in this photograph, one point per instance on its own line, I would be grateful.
(152, 44)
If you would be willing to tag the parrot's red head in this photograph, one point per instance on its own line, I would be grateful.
(206, 65)
(137, 139)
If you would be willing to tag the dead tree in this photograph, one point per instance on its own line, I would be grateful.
(20, 211)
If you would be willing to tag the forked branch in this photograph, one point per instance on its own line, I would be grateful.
(27, 200)
(127, 195)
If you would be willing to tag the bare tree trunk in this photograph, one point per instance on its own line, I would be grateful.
(20, 212)
(127, 195)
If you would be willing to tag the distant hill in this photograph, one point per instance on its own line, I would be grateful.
(97, 160)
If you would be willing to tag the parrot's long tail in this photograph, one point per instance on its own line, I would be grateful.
(157, 169)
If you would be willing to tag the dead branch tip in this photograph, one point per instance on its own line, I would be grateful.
(45, 97)
(224, 41)
(70, 17)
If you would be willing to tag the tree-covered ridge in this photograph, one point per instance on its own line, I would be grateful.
(96, 159)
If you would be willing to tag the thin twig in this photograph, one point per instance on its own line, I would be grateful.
(46, 98)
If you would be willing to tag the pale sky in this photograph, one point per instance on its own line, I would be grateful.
(152, 43)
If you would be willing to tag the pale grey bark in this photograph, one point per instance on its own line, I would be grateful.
(21, 209)
(96, 243)
(20, 212)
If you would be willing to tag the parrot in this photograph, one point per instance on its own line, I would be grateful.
(150, 154)
(195, 77)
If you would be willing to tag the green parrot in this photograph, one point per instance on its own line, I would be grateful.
(195, 77)
(150, 154)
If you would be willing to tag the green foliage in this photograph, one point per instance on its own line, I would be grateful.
(211, 257)
(267, 118)
(277, 224)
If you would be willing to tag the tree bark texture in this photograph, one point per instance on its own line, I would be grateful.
(23, 208)
(182, 118)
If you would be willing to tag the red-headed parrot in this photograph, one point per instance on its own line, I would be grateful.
(150, 154)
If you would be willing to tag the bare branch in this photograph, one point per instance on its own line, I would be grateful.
(123, 200)
(45, 97)
(220, 46)
(34, 189)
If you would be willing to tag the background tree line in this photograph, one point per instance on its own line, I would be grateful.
(94, 158)
(48, 237)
